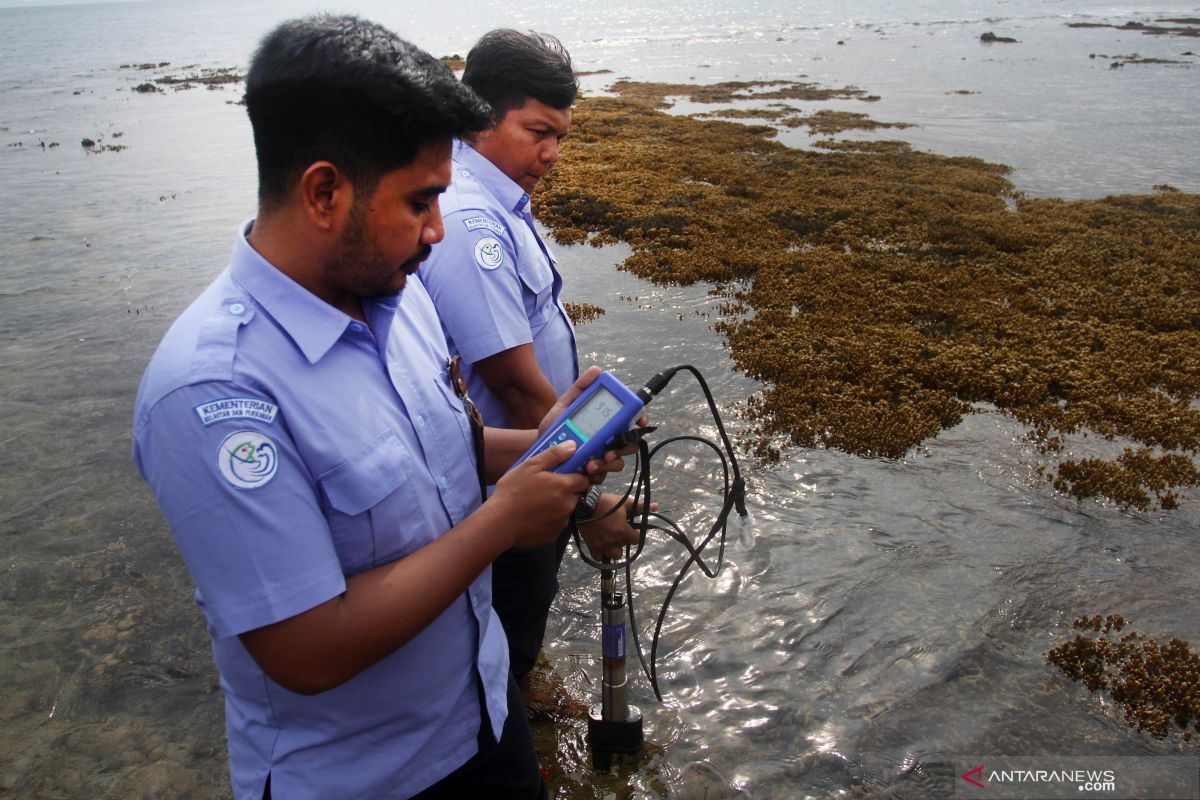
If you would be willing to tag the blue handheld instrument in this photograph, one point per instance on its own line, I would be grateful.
(605, 410)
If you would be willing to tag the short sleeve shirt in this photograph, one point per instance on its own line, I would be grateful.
(289, 447)
(494, 280)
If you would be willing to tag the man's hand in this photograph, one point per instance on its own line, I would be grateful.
(537, 502)
(606, 538)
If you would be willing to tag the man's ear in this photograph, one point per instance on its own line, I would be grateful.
(325, 194)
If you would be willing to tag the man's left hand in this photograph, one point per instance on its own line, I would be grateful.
(606, 538)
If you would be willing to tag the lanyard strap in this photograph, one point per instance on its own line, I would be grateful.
(454, 367)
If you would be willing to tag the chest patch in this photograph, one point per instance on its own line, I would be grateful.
(489, 253)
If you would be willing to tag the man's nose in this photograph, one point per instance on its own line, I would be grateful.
(433, 230)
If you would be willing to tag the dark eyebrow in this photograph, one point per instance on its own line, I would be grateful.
(431, 191)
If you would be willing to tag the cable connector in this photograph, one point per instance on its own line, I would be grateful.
(630, 436)
(738, 491)
(656, 384)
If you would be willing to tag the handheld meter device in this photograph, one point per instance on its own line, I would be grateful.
(604, 410)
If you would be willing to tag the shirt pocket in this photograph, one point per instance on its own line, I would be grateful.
(375, 513)
(463, 461)
(538, 280)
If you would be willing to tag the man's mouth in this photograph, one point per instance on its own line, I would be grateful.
(413, 263)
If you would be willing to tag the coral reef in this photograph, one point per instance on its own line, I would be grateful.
(1157, 684)
(893, 291)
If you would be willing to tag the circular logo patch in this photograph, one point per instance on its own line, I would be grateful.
(489, 253)
(247, 459)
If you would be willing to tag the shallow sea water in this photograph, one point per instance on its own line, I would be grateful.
(876, 619)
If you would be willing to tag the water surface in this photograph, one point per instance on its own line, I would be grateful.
(876, 619)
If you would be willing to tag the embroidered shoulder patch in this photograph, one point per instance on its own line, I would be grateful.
(236, 408)
(475, 223)
(489, 253)
(247, 459)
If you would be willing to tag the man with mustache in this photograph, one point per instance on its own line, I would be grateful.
(497, 290)
(305, 434)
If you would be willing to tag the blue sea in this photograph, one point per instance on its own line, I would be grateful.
(877, 619)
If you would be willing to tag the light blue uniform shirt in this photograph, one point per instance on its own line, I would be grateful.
(289, 447)
(494, 280)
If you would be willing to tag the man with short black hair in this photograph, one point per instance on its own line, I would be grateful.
(305, 433)
(497, 290)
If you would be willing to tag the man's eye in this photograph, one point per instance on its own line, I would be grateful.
(420, 208)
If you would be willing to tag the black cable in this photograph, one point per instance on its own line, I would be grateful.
(733, 496)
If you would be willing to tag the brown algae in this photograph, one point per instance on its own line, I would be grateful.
(1188, 27)
(1157, 684)
(580, 313)
(824, 121)
(893, 291)
(729, 91)
(211, 77)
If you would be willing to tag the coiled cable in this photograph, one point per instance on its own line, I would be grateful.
(733, 498)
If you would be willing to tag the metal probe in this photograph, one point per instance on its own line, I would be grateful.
(614, 726)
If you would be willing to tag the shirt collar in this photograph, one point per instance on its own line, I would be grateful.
(500, 185)
(314, 325)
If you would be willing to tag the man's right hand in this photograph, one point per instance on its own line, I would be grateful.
(537, 502)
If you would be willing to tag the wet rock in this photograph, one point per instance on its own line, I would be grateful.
(990, 38)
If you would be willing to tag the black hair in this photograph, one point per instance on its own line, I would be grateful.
(506, 67)
(349, 91)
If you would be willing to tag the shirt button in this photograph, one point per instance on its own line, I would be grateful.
(464, 173)
(357, 327)
(420, 421)
(445, 483)
(237, 309)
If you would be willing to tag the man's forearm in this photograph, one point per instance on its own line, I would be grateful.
(379, 612)
(502, 447)
(516, 380)
(385, 607)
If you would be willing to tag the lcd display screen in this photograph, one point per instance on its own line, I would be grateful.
(591, 416)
